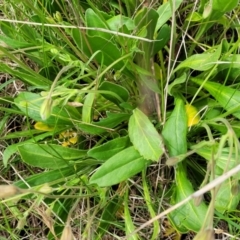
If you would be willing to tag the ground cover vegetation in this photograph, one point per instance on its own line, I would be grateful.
(119, 119)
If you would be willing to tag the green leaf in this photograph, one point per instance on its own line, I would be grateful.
(225, 199)
(110, 51)
(203, 61)
(220, 7)
(109, 149)
(227, 97)
(165, 12)
(175, 130)
(11, 149)
(175, 85)
(114, 88)
(118, 168)
(144, 136)
(116, 23)
(94, 21)
(163, 36)
(49, 156)
(187, 217)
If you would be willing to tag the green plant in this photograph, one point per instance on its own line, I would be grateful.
(106, 99)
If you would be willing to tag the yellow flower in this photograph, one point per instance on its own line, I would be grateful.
(192, 115)
(69, 137)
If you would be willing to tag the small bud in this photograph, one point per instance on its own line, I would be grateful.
(50, 20)
(67, 233)
(54, 51)
(21, 223)
(46, 109)
(207, 10)
(7, 191)
(46, 189)
(75, 104)
(58, 16)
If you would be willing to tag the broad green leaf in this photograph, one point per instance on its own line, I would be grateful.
(116, 23)
(220, 7)
(163, 37)
(119, 167)
(88, 108)
(201, 62)
(49, 156)
(225, 199)
(165, 12)
(109, 51)
(114, 88)
(93, 20)
(227, 97)
(189, 216)
(144, 136)
(11, 149)
(175, 130)
(109, 149)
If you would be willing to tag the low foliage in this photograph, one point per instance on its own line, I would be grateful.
(113, 92)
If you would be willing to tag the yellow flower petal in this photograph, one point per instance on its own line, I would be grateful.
(73, 140)
(66, 144)
(192, 115)
(43, 127)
